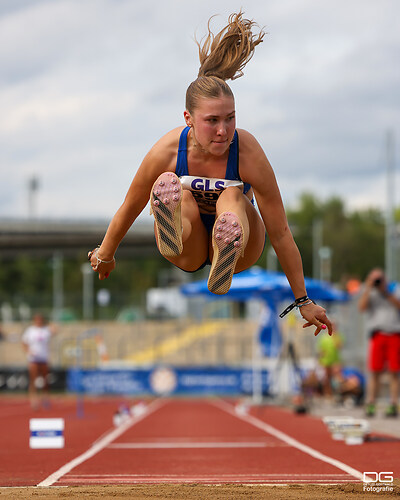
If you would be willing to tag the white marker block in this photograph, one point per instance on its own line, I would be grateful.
(46, 433)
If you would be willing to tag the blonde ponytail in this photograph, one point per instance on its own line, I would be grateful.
(223, 57)
(227, 53)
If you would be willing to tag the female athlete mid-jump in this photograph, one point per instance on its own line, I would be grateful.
(202, 180)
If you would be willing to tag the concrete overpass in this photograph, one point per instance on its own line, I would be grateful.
(42, 238)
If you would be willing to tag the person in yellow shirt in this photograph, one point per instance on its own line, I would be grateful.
(329, 348)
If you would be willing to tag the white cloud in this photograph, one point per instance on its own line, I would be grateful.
(87, 87)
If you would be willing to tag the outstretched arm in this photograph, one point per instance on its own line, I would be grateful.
(260, 175)
(158, 160)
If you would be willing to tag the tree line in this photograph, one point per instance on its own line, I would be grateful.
(356, 238)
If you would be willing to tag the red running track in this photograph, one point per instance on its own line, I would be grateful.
(185, 441)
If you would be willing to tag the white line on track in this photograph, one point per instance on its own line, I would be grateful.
(203, 479)
(142, 446)
(217, 476)
(101, 444)
(269, 429)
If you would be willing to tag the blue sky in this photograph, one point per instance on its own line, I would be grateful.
(88, 86)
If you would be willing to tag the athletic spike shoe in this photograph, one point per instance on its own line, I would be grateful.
(227, 242)
(165, 205)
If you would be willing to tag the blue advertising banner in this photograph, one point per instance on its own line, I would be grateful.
(165, 380)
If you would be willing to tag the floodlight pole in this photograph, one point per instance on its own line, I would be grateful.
(58, 287)
(33, 186)
(317, 228)
(390, 233)
(257, 395)
(87, 273)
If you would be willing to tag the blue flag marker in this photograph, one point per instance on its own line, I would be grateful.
(46, 433)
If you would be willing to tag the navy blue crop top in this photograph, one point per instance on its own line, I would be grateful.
(206, 190)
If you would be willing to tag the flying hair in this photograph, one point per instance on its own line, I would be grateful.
(226, 54)
(223, 57)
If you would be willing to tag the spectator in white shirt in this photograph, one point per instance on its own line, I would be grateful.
(35, 341)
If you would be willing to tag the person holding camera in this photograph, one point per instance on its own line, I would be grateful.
(381, 306)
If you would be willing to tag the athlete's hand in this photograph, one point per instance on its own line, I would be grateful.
(101, 265)
(315, 315)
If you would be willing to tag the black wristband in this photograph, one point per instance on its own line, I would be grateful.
(288, 309)
(294, 304)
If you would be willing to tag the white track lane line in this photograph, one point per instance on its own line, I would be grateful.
(167, 446)
(223, 475)
(209, 481)
(287, 439)
(101, 443)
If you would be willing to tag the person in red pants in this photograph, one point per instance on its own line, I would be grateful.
(381, 307)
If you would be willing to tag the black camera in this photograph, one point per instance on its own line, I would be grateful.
(378, 282)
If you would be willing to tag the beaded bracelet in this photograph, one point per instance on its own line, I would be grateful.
(300, 302)
(98, 260)
(305, 303)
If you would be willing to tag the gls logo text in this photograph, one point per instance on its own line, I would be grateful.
(207, 184)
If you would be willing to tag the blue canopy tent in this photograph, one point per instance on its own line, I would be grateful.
(273, 288)
(269, 285)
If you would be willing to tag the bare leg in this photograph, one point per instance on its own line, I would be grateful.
(194, 236)
(373, 386)
(33, 375)
(328, 381)
(233, 200)
(44, 372)
(394, 387)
